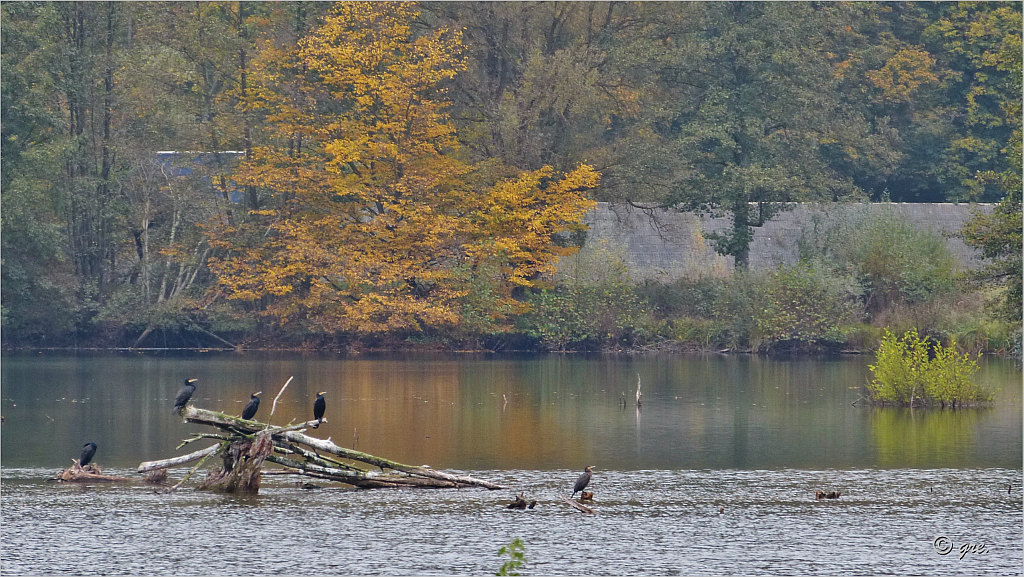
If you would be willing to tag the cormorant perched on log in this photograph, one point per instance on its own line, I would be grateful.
(251, 407)
(582, 482)
(88, 451)
(184, 394)
(319, 406)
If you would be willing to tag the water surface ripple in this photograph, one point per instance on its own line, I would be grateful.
(648, 522)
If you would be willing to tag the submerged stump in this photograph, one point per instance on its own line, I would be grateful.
(243, 465)
(157, 477)
(521, 503)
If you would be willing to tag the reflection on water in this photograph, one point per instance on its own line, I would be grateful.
(530, 412)
(715, 474)
(910, 438)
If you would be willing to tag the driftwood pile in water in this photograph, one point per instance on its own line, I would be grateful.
(92, 473)
(89, 473)
(245, 446)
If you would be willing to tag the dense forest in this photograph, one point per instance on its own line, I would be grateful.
(206, 174)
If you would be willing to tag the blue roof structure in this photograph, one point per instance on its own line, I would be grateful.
(181, 162)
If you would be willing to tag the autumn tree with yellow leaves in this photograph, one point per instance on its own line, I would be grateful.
(370, 219)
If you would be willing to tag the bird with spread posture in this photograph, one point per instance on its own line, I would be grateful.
(252, 406)
(184, 394)
(87, 454)
(583, 481)
(319, 406)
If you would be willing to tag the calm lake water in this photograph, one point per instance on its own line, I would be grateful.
(715, 475)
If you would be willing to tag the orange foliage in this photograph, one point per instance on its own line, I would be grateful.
(904, 74)
(373, 223)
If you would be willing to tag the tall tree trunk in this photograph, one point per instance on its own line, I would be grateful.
(106, 160)
(741, 235)
(146, 280)
(82, 217)
(167, 261)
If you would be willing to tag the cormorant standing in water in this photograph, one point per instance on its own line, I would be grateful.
(87, 453)
(319, 406)
(184, 394)
(583, 481)
(251, 407)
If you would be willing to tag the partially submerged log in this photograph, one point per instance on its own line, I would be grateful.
(580, 507)
(246, 445)
(819, 495)
(90, 473)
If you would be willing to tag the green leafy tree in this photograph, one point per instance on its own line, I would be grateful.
(998, 235)
(900, 369)
(993, 40)
(891, 260)
(37, 278)
(753, 109)
(924, 74)
(540, 87)
(950, 379)
(60, 158)
(980, 45)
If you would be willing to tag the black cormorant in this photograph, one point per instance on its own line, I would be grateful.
(582, 482)
(319, 406)
(251, 407)
(184, 394)
(87, 453)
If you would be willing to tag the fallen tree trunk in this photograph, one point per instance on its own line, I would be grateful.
(154, 465)
(329, 447)
(242, 464)
(364, 480)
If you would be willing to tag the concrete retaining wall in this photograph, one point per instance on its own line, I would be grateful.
(666, 245)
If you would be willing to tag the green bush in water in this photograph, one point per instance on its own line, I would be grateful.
(950, 378)
(516, 552)
(904, 373)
